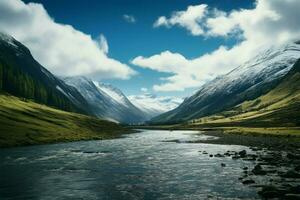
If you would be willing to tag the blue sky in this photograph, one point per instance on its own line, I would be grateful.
(129, 40)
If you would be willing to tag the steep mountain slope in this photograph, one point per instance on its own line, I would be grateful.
(246, 82)
(153, 105)
(21, 75)
(106, 101)
(24, 122)
(279, 107)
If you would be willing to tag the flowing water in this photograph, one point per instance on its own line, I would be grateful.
(138, 166)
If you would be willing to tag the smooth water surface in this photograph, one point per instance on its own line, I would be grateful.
(138, 166)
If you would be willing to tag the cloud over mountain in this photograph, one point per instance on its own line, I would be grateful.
(59, 47)
(269, 23)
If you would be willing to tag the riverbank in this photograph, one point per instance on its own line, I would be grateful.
(275, 156)
(276, 161)
(137, 166)
(293, 132)
(28, 123)
(252, 140)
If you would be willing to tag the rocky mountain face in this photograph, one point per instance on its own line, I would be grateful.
(107, 101)
(21, 75)
(246, 82)
(279, 107)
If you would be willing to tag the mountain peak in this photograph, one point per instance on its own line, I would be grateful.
(245, 82)
(107, 101)
(6, 37)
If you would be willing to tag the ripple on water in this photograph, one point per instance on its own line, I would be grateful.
(139, 166)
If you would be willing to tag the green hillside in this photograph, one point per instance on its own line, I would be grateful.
(278, 108)
(22, 76)
(24, 122)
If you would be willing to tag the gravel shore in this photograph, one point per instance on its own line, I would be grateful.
(276, 172)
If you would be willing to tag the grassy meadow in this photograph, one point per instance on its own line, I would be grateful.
(23, 122)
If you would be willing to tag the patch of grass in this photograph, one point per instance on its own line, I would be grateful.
(278, 108)
(24, 122)
(274, 131)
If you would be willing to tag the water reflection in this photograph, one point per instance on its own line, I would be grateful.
(139, 166)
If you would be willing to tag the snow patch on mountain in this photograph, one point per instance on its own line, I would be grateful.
(267, 66)
(112, 92)
(246, 82)
(107, 101)
(8, 39)
(154, 105)
(61, 90)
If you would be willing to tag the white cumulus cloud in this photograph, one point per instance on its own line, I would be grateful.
(59, 47)
(188, 19)
(269, 23)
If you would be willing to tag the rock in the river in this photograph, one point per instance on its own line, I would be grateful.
(258, 170)
(223, 164)
(250, 157)
(248, 181)
(256, 148)
(243, 153)
(218, 155)
(235, 157)
(227, 154)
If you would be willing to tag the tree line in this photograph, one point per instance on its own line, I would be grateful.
(18, 83)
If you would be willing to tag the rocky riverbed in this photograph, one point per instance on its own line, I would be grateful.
(154, 164)
(276, 161)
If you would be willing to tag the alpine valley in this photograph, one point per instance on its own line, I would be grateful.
(31, 96)
(263, 92)
(264, 89)
(148, 100)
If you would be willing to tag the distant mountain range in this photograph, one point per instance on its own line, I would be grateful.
(107, 101)
(153, 105)
(22, 76)
(245, 83)
(263, 90)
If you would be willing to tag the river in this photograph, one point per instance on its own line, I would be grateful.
(142, 165)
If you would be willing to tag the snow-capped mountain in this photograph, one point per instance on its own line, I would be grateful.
(106, 101)
(248, 81)
(153, 105)
(113, 93)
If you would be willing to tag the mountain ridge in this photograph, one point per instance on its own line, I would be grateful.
(107, 101)
(279, 107)
(23, 76)
(154, 105)
(246, 82)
